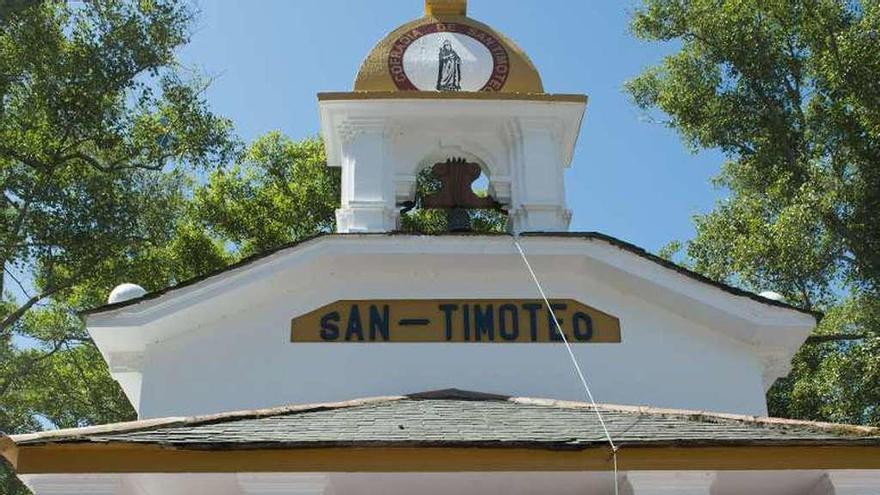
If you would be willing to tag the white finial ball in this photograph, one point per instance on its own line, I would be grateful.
(773, 296)
(124, 292)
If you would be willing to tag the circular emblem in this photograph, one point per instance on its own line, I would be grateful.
(447, 56)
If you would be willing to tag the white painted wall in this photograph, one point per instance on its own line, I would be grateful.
(234, 352)
(786, 482)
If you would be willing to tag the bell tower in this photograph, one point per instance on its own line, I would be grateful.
(446, 87)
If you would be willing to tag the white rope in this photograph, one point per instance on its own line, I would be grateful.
(574, 360)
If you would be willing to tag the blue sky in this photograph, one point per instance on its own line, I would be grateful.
(630, 178)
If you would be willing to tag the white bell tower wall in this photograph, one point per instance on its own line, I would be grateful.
(524, 144)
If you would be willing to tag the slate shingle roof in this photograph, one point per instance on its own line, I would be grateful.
(455, 418)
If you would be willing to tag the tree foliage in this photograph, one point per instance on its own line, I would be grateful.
(115, 170)
(280, 192)
(788, 90)
(100, 134)
(92, 106)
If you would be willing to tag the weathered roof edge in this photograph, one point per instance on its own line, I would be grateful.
(626, 246)
(80, 434)
(73, 434)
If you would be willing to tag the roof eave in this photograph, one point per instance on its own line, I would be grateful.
(168, 291)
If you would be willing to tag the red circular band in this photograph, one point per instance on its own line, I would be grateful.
(500, 59)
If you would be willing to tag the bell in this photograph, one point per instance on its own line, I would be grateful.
(458, 220)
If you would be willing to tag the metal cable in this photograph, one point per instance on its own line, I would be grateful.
(571, 355)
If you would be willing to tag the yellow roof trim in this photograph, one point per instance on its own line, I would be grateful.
(139, 458)
(450, 95)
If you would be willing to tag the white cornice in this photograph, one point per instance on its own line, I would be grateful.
(606, 255)
(341, 118)
(73, 484)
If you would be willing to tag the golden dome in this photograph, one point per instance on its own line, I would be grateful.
(447, 51)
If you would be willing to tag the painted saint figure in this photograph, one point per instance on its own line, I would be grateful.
(449, 71)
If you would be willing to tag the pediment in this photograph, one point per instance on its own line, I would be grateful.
(331, 274)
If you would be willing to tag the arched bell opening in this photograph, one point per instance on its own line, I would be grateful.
(453, 194)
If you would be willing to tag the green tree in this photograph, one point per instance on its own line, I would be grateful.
(281, 191)
(788, 91)
(101, 132)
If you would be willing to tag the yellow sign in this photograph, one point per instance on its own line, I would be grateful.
(454, 320)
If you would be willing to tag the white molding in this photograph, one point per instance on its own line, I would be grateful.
(350, 129)
(776, 363)
(853, 482)
(126, 367)
(126, 362)
(73, 484)
(284, 484)
(537, 218)
(670, 482)
(363, 218)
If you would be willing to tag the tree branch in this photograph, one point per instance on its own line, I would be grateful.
(23, 212)
(96, 403)
(13, 317)
(27, 160)
(17, 281)
(89, 160)
(820, 339)
(28, 367)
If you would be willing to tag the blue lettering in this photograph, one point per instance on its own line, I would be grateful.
(532, 308)
(447, 314)
(555, 336)
(511, 332)
(379, 322)
(355, 326)
(484, 322)
(329, 327)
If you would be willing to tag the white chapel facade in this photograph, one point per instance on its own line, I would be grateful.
(369, 360)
